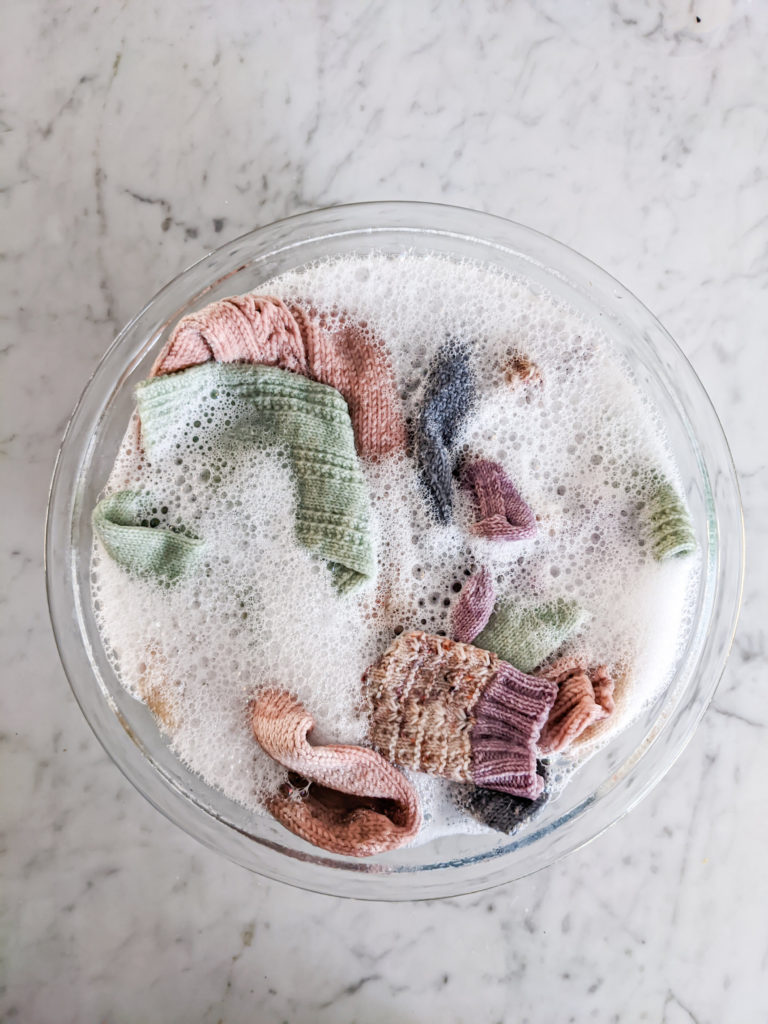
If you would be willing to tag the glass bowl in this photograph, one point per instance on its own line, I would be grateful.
(609, 784)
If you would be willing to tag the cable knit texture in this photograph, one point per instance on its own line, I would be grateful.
(309, 420)
(668, 523)
(453, 710)
(474, 607)
(263, 330)
(503, 812)
(526, 635)
(501, 512)
(130, 527)
(583, 698)
(355, 804)
(448, 397)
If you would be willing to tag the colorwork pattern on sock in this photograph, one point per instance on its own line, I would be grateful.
(310, 421)
(355, 804)
(526, 635)
(583, 698)
(130, 527)
(502, 514)
(474, 607)
(262, 330)
(450, 709)
(448, 397)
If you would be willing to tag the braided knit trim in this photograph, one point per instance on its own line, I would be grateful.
(502, 514)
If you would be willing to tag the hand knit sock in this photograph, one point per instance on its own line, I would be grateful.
(668, 525)
(356, 803)
(583, 698)
(450, 709)
(263, 330)
(526, 635)
(128, 525)
(503, 812)
(309, 420)
(501, 512)
(474, 607)
(448, 397)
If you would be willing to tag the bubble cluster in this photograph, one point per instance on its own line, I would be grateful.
(557, 408)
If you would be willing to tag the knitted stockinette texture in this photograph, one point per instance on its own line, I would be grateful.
(526, 635)
(263, 330)
(356, 803)
(503, 812)
(450, 709)
(474, 607)
(667, 522)
(128, 526)
(309, 421)
(448, 397)
(583, 698)
(502, 514)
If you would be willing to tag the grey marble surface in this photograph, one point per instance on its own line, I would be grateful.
(136, 136)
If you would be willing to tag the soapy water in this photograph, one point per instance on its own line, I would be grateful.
(556, 406)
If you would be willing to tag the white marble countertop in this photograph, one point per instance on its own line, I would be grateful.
(136, 136)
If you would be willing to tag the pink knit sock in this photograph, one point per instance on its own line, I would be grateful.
(259, 329)
(502, 513)
(474, 607)
(583, 698)
(357, 804)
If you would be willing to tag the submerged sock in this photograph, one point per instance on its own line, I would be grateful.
(453, 710)
(259, 329)
(309, 420)
(474, 607)
(128, 524)
(668, 523)
(355, 803)
(502, 514)
(526, 635)
(448, 397)
(503, 812)
(583, 698)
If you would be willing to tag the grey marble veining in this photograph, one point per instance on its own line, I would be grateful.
(134, 137)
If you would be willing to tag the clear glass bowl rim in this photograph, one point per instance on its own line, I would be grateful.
(318, 873)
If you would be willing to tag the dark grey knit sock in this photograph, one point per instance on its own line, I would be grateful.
(502, 812)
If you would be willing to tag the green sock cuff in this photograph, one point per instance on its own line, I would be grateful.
(525, 635)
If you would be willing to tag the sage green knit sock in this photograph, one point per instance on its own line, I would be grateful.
(129, 527)
(668, 523)
(526, 635)
(267, 406)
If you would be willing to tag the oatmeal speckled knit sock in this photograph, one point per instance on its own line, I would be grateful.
(526, 635)
(450, 709)
(129, 526)
(448, 397)
(668, 523)
(356, 803)
(262, 330)
(474, 607)
(583, 698)
(309, 420)
(502, 513)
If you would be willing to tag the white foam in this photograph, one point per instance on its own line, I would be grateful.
(265, 611)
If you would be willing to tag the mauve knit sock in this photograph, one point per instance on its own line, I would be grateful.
(583, 698)
(453, 710)
(473, 608)
(503, 812)
(502, 514)
(130, 527)
(356, 803)
(448, 397)
(262, 330)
